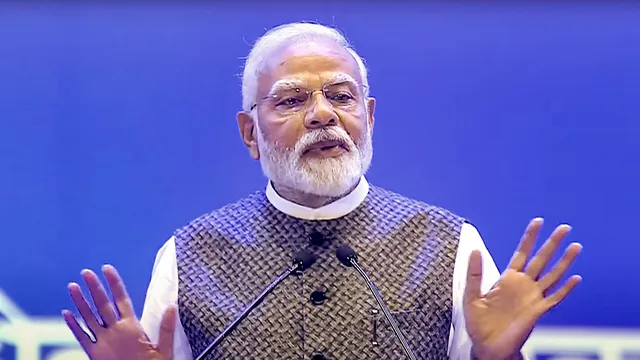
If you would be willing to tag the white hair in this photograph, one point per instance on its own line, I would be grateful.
(289, 34)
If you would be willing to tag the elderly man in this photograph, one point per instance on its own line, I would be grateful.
(307, 116)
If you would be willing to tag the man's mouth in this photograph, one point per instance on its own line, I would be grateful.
(326, 146)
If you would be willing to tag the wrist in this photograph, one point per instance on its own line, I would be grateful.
(477, 354)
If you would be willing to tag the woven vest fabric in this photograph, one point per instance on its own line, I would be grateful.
(226, 258)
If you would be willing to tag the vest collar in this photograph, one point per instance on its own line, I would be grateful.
(336, 209)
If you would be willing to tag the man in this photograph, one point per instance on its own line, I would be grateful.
(307, 116)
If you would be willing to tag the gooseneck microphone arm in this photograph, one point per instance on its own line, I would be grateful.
(348, 257)
(301, 261)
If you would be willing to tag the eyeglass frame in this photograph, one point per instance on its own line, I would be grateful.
(360, 87)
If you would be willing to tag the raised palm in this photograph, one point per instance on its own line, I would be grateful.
(500, 321)
(118, 334)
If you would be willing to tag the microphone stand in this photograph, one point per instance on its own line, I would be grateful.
(385, 309)
(297, 265)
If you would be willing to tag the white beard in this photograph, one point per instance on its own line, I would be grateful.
(331, 177)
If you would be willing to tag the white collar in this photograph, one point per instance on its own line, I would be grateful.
(336, 209)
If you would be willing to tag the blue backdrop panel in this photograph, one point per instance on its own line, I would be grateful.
(117, 125)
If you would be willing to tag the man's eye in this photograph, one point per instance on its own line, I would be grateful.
(341, 97)
(292, 101)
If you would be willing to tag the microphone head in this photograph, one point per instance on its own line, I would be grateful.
(345, 254)
(304, 259)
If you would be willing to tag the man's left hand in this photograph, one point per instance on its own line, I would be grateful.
(500, 321)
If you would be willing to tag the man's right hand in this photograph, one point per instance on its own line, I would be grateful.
(116, 330)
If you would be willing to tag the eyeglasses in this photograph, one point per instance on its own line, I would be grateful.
(344, 95)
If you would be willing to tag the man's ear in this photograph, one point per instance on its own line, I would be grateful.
(248, 133)
(371, 108)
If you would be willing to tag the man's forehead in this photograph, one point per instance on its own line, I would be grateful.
(309, 65)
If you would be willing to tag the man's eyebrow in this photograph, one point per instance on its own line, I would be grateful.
(292, 83)
(342, 78)
(284, 84)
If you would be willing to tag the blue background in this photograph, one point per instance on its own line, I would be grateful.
(117, 125)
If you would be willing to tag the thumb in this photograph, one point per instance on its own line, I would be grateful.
(472, 289)
(167, 329)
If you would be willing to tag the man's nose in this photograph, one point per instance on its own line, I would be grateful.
(321, 113)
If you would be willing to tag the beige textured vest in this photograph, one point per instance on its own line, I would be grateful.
(226, 258)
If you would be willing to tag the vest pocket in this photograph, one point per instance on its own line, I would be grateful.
(426, 332)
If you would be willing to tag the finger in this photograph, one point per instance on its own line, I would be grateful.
(100, 299)
(558, 296)
(81, 336)
(473, 286)
(167, 329)
(83, 308)
(543, 256)
(557, 272)
(122, 300)
(520, 256)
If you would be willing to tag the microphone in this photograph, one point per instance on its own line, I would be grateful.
(348, 257)
(301, 261)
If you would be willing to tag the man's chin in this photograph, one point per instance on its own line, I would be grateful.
(320, 158)
(329, 184)
(332, 177)
(319, 164)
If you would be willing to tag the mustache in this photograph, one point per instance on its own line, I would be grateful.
(324, 134)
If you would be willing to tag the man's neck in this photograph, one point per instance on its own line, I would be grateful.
(305, 199)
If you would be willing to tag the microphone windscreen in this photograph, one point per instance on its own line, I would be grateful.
(304, 259)
(345, 254)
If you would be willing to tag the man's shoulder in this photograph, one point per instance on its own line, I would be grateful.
(233, 214)
(394, 200)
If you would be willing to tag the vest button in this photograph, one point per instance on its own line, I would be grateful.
(318, 357)
(318, 297)
(316, 238)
